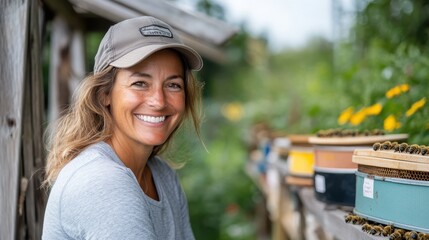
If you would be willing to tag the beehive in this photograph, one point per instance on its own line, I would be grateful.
(300, 161)
(393, 188)
(334, 170)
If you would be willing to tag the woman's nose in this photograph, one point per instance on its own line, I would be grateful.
(157, 98)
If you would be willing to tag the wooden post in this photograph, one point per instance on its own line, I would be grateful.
(31, 219)
(59, 68)
(14, 19)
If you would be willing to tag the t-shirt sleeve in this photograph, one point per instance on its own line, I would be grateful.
(103, 201)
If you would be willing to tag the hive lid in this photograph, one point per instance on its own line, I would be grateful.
(391, 159)
(297, 139)
(358, 140)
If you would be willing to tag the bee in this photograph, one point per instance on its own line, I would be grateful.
(376, 230)
(413, 148)
(354, 133)
(424, 150)
(410, 235)
(403, 147)
(423, 236)
(376, 146)
(414, 235)
(326, 133)
(358, 220)
(387, 230)
(386, 145)
(348, 218)
(394, 145)
(366, 132)
(396, 235)
(377, 132)
(396, 148)
(337, 132)
(366, 227)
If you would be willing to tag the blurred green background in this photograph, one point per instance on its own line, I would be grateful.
(375, 77)
(302, 91)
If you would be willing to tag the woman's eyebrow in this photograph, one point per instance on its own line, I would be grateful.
(140, 74)
(175, 76)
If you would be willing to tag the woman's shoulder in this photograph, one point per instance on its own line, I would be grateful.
(95, 167)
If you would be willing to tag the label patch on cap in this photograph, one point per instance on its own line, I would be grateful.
(156, 31)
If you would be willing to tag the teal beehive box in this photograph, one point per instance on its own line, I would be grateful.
(393, 188)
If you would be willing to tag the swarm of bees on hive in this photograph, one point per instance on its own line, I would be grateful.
(401, 147)
(390, 231)
(348, 133)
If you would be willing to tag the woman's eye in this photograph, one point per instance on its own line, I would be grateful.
(139, 84)
(175, 86)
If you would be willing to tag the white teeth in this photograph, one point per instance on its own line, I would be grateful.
(151, 119)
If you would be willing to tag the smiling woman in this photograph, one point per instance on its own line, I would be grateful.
(106, 179)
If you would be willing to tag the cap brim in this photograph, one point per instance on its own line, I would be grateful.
(193, 59)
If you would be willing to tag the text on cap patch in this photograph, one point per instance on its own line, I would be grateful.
(156, 31)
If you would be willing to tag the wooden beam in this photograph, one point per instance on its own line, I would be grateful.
(207, 28)
(105, 9)
(116, 11)
(14, 19)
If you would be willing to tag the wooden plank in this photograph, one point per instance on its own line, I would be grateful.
(196, 24)
(13, 49)
(390, 154)
(390, 163)
(332, 220)
(207, 28)
(299, 139)
(359, 140)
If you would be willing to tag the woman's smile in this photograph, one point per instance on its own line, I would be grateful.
(151, 119)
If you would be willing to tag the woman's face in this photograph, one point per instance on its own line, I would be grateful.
(147, 101)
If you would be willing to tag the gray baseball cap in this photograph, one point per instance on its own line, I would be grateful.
(131, 41)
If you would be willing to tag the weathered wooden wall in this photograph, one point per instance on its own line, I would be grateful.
(13, 24)
(21, 117)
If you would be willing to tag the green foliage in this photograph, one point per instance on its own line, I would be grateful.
(220, 195)
(392, 52)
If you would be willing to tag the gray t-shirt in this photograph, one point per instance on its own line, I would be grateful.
(97, 197)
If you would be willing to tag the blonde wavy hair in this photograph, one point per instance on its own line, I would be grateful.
(88, 121)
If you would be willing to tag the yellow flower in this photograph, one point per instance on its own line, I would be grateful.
(390, 123)
(358, 117)
(233, 111)
(404, 87)
(397, 90)
(374, 109)
(416, 106)
(393, 92)
(345, 116)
